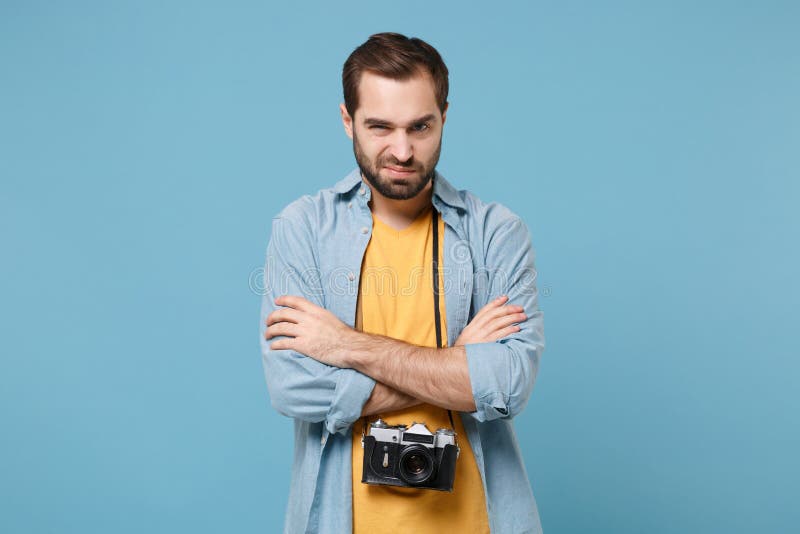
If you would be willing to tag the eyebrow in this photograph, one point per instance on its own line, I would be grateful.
(369, 121)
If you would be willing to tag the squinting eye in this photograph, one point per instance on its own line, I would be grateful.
(377, 127)
(420, 127)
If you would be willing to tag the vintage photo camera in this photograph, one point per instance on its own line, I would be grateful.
(409, 457)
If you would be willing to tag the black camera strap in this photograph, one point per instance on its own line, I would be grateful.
(437, 316)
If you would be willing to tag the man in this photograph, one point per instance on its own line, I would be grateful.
(394, 295)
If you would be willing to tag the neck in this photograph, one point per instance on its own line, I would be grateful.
(399, 213)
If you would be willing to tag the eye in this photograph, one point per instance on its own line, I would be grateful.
(377, 127)
(421, 127)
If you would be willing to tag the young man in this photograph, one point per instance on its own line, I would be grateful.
(394, 295)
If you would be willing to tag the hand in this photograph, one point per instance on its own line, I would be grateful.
(310, 329)
(494, 321)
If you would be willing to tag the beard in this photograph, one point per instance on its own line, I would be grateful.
(393, 189)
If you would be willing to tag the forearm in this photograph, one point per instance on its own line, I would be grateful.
(434, 376)
(386, 399)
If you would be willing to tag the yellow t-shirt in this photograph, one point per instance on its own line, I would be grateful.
(396, 300)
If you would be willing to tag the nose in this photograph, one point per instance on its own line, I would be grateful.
(401, 148)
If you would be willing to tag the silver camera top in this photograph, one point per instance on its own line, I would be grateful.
(418, 433)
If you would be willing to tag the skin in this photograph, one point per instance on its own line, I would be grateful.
(397, 135)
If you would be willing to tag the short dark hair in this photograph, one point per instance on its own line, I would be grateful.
(395, 56)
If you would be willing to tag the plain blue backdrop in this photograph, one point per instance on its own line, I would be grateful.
(652, 148)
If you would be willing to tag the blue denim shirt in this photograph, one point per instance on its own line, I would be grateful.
(316, 249)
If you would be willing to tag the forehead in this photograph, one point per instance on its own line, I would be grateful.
(396, 100)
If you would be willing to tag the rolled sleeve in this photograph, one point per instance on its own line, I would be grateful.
(502, 377)
(502, 373)
(353, 389)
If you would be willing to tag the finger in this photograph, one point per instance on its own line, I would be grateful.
(494, 313)
(282, 329)
(506, 320)
(282, 344)
(492, 304)
(284, 315)
(507, 331)
(502, 311)
(298, 303)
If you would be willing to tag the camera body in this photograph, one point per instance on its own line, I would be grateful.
(409, 457)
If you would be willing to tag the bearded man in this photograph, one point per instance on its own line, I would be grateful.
(400, 325)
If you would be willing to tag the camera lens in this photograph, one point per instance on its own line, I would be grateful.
(416, 464)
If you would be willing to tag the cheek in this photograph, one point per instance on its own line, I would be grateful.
(377, 150)
(370, 144)
(372, 154)
(428, 149)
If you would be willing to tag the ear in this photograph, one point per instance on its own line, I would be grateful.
(444, 113)
(347, 121)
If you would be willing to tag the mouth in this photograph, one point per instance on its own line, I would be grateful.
(400, 172)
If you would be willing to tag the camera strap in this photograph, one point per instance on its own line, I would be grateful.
(437, 316)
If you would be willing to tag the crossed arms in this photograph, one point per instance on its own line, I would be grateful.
(413, 374)
(320, 369)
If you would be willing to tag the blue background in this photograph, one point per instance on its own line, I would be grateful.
(652, 150)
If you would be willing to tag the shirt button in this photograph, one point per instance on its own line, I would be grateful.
(351, 276)
(363, 191)
(349, 204)
(364, 230)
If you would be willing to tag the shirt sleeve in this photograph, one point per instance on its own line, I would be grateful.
(299, 386)
(502, 373)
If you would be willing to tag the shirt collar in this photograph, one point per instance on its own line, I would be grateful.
(349, 182)
(442, 189)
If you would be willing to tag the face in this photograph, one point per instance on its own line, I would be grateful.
(396, 133)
